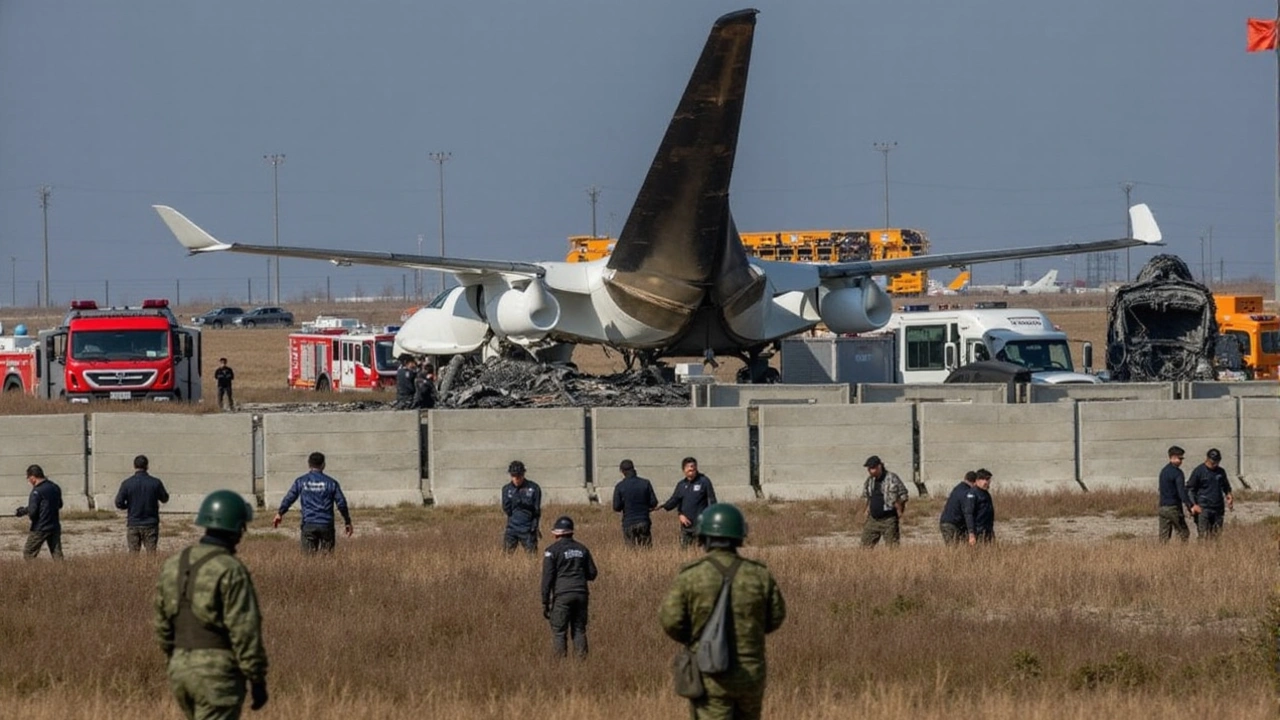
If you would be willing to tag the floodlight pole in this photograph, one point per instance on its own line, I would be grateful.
(884, 148)
(440, 158)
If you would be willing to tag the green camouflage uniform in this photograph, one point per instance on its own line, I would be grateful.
(758, 609)
(209, 682)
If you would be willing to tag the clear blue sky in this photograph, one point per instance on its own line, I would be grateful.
(1015, 121)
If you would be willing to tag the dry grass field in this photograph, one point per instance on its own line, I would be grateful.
(421, 616)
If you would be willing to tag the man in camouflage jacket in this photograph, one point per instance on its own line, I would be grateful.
(756, 603)
(207, 619)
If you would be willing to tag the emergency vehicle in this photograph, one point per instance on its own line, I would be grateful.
(119, 353)
(18, 356)
(337, 359)
(930, 344)
(1256, 332)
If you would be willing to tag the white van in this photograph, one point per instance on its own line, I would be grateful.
(933, 343)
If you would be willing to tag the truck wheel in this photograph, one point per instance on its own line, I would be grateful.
(12, 385)
(322, 385)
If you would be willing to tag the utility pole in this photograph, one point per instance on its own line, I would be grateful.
(1128, 227)
(593, 192)
(45, 192)
(417, 272)
(276, 159)
(884, 148)
(1202, 257)
(13, 280)
(1210, 256)
(440, 158)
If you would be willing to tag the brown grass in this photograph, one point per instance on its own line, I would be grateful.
(433, 621)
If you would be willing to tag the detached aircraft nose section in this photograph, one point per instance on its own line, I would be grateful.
(679, 244)
(449, 325)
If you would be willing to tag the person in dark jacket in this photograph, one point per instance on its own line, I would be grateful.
(522, 504)
(406, 381)
(567, 567)
(42, 510)
(633, 496)
(951, 523)
(319, 494)
(693, 494)
(425, 395)
(1173, 498)
(979, 512)
(1208, 487)
(225, 375)
(141, 495)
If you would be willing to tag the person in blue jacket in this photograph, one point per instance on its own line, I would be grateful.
(319, 494)
(522, 504)
(43, 508)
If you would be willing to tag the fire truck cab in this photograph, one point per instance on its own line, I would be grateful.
(119, 353)
(336, 359)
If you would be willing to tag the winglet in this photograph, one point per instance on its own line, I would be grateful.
(1144, 224)
(188, 233)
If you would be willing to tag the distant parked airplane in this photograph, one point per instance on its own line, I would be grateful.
(955, 287)
(1046, 285)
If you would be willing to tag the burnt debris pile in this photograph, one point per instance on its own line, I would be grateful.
(506, 383)
(1162, 327)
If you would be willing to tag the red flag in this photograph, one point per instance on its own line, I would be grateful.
(1261, 35)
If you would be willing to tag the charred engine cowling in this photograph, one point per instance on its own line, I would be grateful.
(859, 308)
(526, 314)
(1162, 327)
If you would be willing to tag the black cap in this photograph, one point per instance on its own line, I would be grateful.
(626, 466)
(872, 461)
(563, 526)
(515, 468)
(1214, 455)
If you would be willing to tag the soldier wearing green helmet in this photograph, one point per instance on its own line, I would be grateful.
(207, 619)
(756, 604)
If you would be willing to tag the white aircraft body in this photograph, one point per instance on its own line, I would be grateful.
(1047, 285)
(678, 283)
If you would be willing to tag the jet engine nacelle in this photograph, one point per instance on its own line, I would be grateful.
(527, 314)
(858, 309)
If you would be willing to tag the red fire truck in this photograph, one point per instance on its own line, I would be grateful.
(337, 359)
(18, 357)
(119, 353)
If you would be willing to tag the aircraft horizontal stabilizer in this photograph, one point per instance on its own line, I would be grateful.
(196, 240)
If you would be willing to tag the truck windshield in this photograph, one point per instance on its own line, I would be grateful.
(382, 356)
(1270, 342)
(120, 345)
(1038, 355)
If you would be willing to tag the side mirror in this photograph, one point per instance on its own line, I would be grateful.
(1088, 357)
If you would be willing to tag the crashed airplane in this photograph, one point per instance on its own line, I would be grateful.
(678, 283)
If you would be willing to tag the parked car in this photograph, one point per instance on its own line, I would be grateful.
(218, 317)
(265, 316)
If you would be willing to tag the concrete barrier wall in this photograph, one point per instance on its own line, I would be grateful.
(958, 393)
(1105, 391)
(808, 452)
(747, 395)
(657, 439)
(1124, 444)
(192, 454)
(1207, 390)
(470, 450)
(1031, 448)
(374, 456)
(54, 442)
(1260, 442)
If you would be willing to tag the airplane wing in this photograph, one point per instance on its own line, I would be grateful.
(1145, 232)
(196, 240)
